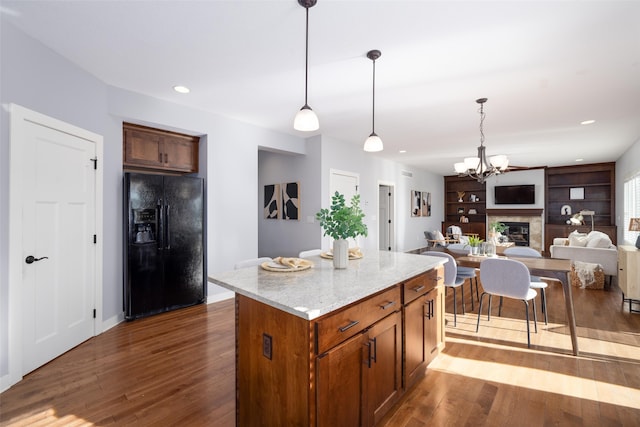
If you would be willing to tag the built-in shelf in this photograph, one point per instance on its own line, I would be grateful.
(598, 183)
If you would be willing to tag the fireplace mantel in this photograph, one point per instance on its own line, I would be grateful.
(514, 212)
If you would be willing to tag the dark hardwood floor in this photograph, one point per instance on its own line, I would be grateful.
(178, 369)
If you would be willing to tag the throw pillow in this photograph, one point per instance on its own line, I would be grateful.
(577, 239)
(464, 239)
(598, 239)
(439, 235)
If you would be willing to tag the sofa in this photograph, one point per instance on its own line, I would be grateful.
(594, 247)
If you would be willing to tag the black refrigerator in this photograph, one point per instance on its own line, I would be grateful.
(164, 243)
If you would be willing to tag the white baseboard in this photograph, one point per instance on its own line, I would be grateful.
(112, 321)
(220, 296)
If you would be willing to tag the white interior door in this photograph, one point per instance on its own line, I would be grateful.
(385, 211)
(57, 183)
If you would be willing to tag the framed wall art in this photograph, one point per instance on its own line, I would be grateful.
(271, 201)
(426, 204)
(290, 201)
(416, 202)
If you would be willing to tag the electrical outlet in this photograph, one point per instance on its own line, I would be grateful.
(267, 346)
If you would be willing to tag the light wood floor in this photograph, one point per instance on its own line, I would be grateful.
(178, 369)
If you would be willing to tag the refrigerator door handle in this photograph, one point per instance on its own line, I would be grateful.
(166, 227)
(160, 234)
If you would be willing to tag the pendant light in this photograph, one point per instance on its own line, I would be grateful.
(373, 142)
(306, 120)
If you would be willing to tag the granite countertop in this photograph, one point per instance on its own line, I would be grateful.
(322, 289)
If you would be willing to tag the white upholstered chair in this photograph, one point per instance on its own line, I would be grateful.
(250, 262)
(309, 253)
(507, 278)
(451, 280)
(536, 282)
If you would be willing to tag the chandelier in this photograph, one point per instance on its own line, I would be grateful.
(478, 167)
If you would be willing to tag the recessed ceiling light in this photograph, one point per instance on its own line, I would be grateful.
(181, 89)
(402, 151)
(579, 160)
(587, 122)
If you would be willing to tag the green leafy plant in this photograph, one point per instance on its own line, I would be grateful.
(497, 227)
(342, 221)
(475, 241)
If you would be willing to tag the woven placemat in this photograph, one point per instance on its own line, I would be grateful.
(291, 265)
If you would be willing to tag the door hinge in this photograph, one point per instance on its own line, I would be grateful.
(95, 163)
(94, 313)
(95, 239)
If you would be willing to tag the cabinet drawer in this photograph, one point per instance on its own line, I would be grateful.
(344, 324)
(420, 285)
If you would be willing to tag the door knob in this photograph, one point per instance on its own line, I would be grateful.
(31, 259)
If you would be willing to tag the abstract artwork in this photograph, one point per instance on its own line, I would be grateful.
(271, 198)
(426, 204)
(290, 200)
(416, 197)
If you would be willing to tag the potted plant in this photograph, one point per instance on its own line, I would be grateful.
(495, 230)
(340, 222)
(475, 243)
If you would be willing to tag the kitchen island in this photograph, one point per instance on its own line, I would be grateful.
(334, 347)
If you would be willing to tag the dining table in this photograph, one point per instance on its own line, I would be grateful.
(549, 267)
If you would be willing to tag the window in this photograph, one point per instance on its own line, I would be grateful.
(631, 206)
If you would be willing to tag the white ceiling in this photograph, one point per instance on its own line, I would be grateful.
(545, 66)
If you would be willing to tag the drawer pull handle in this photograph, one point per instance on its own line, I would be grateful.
(387, 305)
(349, 326)
(418, 288)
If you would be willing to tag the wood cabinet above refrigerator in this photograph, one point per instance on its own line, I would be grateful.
(146, 148)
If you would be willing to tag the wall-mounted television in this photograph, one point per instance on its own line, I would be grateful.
(514, 194)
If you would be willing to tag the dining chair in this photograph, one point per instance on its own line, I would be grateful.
(250, 262)
(507, 278)
(536, 282)
(466, 272)
(451, 280)
(309, 253)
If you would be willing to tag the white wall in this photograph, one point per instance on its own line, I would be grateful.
(627, 165)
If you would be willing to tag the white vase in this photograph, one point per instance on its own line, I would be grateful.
(340, 253)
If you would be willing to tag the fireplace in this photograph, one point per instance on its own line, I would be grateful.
(532, 217)
(517, 232)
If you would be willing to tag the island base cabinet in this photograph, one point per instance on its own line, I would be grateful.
(272, 366)
(421, 335)
(359, 380)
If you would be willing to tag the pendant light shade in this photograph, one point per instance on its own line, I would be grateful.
(306, 120)
(373, 142)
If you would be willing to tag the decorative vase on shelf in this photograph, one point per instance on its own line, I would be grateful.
(340, 253)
